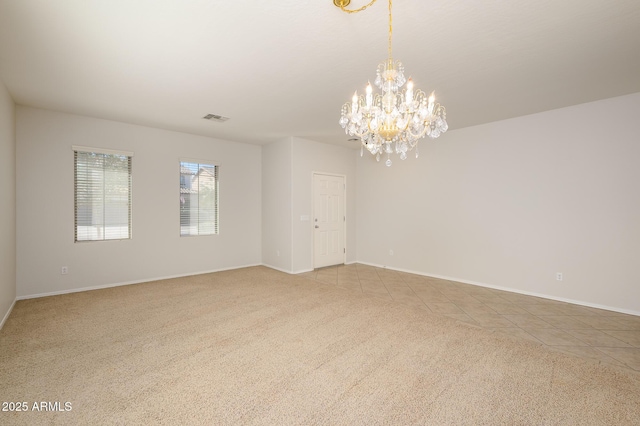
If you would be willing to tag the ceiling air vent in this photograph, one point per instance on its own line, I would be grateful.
(214, 117)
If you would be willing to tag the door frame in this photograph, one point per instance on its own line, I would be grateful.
(313, 210)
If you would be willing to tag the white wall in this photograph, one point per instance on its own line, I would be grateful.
(309, 157)
(287, 194)
(506, 204)
(45, 205)
(510, 203)
(8, 203)
(276, 205)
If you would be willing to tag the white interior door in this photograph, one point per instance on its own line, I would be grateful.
(328, 220)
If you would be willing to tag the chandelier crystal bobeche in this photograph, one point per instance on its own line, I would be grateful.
(395, 119)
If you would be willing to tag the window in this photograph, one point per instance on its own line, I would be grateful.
(198, 198)
(102, 194)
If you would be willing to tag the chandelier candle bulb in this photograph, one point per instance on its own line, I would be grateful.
(394, 119)
(409, 95)
(432, 99)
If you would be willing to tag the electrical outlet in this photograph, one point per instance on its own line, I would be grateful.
(559, 276)
(390, 252)
(64, 270)
(278, 253)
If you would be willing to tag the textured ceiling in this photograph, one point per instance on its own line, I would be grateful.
(284, 68)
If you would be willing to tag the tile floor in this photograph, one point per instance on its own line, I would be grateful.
(605, 336)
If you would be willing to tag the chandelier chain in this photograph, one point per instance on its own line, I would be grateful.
(390, 29)
(356, 10)
(342, 4)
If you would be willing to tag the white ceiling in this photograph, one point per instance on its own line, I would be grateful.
(284, 68)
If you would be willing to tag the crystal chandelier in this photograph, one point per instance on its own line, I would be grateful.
(395, 119)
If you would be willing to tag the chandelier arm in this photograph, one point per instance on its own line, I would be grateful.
(406, 126)
(419, 96)
(419, 135)
(342, 4)
(361, 135)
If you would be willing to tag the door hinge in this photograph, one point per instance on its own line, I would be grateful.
(344, 250)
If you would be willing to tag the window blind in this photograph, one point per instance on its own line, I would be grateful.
(198, 198)
(102, 195)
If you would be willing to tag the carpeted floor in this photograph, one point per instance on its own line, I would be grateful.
(597, 334)
(256, 346)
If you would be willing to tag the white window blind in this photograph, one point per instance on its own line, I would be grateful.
(102, 182)
(198, 198)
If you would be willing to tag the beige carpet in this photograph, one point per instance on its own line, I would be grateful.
(256, 346)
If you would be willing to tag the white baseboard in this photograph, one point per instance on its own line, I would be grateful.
(278, 269)
(443, 277)
(511, 290)
(302, 271)
(8, 313)
(146, 280)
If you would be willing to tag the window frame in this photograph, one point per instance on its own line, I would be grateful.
(216, 209)
(104, 152)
